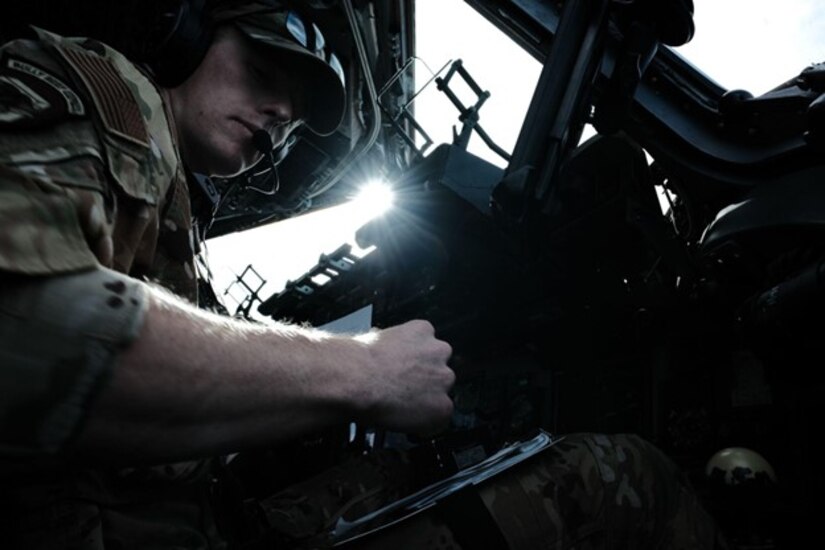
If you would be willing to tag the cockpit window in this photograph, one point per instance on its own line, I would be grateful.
(495, 62)
(755, 45)
(741, 44)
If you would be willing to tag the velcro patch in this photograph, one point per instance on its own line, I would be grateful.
(118, 108)
(31, 97)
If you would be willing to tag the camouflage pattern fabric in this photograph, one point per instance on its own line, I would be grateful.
(89, 177)
(79, 189)
(589, 491)
(597, 491)
(85, 319)
(76, 191)
(303, 514)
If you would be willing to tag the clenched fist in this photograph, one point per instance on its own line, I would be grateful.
(407, 380)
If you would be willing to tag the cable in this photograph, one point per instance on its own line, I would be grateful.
(263, 143)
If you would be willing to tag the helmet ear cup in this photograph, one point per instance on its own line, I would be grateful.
(171, 37)
(186, 35)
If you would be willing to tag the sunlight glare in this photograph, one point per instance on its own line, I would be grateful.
(374, 199)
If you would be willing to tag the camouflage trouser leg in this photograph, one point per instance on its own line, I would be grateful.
(597, 491)
(586, 492)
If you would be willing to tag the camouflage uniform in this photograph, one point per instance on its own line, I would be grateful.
(588, 491)
(90, 177)
(91, 190)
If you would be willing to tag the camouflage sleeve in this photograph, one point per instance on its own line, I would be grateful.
(59, 340)
(86, 157)
(86, 160)
(48, 227)
(54, 216)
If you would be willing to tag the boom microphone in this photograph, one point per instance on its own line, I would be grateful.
(263, 143)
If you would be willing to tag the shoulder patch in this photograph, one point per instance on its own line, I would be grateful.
(31, 97)
(118, 108)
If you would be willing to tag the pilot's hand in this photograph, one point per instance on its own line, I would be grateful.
(409, 379)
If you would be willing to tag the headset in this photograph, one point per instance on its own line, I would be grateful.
(169, 37)
(186, 32)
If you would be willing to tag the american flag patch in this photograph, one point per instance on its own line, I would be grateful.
(118, 108)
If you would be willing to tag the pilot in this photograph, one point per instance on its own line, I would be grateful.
(112, 382)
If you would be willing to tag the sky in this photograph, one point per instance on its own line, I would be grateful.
(756, 44)
(744, 44)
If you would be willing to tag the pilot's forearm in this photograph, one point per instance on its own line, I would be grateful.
(194, 384)
(137, 374)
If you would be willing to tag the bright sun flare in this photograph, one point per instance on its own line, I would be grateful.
(374, 199)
